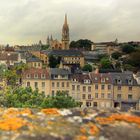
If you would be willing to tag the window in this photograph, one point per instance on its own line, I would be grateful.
(53, 93)
(88, 104)
(119, 96)
(109, 87)
(53, 84)
(84, 96)
(119, 87)
(43, 84)
(42, 75)
(73, 87)
(130, 88)
(102, 95)
(36, 76)
(89, 96)
(96, 87)
(28, 76)
(96, 95)
(95, 104)
(102, 87)
(103, 80)
(35, 64)
(38, 64)
(78, 87)
(109, 95)
(67, 84)
(63, 84)
(57, 84)
(84, 89)
(89, 89)
(28, 84)
(36, 84)
(129, 97)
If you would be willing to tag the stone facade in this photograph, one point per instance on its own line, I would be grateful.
(94, 90)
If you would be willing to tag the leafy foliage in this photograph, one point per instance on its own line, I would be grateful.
(26, 97)
(87, 67)
(128, 48)
(54, 61)
(116, 55)
(106, 63)
(81, 44)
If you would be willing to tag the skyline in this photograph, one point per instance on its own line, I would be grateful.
(28, 21)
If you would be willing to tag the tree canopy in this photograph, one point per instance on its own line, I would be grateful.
(127, 48)
(87, 67)
(83, 44)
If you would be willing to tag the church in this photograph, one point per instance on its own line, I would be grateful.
(64, 44)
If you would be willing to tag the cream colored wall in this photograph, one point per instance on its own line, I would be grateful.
(35, 64)
(60, 88)
(125, 92)
(46, 89)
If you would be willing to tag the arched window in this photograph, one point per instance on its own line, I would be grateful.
(28, 84)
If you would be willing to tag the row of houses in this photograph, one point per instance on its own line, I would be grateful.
(98, 90)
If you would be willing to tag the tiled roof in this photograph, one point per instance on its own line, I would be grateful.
(101, 78)
(9, 56)
(81, 77)
(39, 72)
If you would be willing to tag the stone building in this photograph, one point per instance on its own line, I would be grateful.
(64, 44)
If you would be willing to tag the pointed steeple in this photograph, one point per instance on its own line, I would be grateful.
(65, 19)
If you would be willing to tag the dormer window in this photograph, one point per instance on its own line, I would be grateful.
(102, 80)
(87, 81)
(119, 81)
(28, 76)
(96, 78)
(74, 80)
(42, 75)
(130, 81)
(36, 76)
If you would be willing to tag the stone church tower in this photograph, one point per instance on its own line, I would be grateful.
(65, 35)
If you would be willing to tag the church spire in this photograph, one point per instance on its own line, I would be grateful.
(65, 19)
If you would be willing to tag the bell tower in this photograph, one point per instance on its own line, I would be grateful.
(65, 35)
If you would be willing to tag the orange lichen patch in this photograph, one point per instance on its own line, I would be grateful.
(118, 117)
(93, 130)
(50, 122)
(12, 124)
(11, 112)
(26, 111)
(50, 111)
(104, 121)
(83, 130)
(82, 137)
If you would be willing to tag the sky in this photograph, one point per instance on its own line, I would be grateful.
(25, 22)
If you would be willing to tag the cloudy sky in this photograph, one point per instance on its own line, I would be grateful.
(28, 21)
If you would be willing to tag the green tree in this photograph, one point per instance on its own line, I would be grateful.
(61, 100)
(81, 44)
(54, 61)
(116, 55)
(128, 48)
(106, 63)
(87, 67)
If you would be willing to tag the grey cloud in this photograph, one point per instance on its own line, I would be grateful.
(27, 21)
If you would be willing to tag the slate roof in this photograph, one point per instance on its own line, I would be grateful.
(71, 53)
(33, 59)
(124, 77)
(58, 71)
